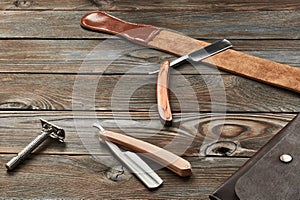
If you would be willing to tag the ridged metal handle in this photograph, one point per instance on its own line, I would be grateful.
(15, 161)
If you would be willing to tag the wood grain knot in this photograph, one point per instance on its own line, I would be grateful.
(15, 105)
(229, 130)
(221, 148)
(118, 173)
(23, 3)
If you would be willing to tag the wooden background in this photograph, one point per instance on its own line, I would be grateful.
(43, 48)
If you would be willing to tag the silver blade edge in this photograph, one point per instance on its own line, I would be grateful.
(201, 54)
(134, 163)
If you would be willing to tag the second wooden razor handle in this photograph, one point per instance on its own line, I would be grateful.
(163, 103)
(166, 158)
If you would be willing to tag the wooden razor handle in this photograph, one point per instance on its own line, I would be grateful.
(235, 62)
(166, 158)
(163, 103)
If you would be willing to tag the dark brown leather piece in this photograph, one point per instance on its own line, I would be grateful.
(103, 22)
(264, 176)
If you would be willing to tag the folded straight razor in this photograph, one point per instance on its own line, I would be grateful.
(134, 163)
(259, 69)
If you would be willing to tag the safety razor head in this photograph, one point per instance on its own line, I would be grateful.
(53, 130)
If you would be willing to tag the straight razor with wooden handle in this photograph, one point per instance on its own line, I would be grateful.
(163, 157)
(162, 96)
(259, 69)
(134, 163)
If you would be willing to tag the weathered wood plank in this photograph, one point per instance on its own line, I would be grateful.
(67, 56)
(64, 177)
(34, 38)
(180, 5)
(230, 134)
(46, 5)
(242, 25)
(138, 93)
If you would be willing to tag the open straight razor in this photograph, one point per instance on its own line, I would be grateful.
(134, 163)
(201, 53)
(162, 97)
(163, 157)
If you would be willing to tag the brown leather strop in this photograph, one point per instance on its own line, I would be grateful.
(259, 69)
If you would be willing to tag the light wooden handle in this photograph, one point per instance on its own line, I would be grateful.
(162, 96)
(166, 158)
